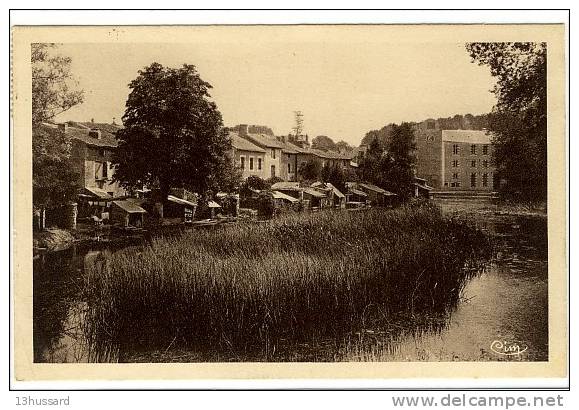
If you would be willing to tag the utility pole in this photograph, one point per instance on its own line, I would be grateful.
(299, 127)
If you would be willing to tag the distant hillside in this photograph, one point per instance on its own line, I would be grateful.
(458, 122)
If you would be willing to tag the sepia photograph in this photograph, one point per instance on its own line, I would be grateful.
(292, 194)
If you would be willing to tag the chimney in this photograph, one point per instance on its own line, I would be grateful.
(114, 122)
(243, 130)
(92, 120)
(63, 127)
(95, 133)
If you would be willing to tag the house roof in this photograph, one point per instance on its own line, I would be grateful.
(241, 144)
(314, 192)
(213, 204)
(265, 140)
(328, 186)
(180, 201)
(468, 136)
(423, 186)
(289, 148)
(298, 150)
(129, 207)
(281, 195)
(97, 192)
(375, 188)
(110, 128)
(336, 190)
(330, 154)
(357, 192)
(81, 134)
(286, 186)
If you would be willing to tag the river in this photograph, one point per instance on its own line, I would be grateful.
(503, 313)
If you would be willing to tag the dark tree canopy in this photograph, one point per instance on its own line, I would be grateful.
(310, 170)
(391, 165)
(335, 175)
(53, 92)
(519, 119)
(173, 134)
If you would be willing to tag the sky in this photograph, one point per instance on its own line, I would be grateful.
(343, 88)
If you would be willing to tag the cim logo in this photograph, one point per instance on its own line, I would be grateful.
(507, 348)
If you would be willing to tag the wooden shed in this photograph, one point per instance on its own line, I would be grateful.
(127, 213)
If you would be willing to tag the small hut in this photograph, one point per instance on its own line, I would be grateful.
(214, 208)
(180, 208)
(127, 214)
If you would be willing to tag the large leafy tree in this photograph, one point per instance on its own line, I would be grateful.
(53, 92)
(402, 150)
(519, 119)
(173, 135)
(390, 165)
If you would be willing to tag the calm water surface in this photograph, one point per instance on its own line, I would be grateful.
(502, 309)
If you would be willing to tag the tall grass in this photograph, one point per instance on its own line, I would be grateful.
(302, 277)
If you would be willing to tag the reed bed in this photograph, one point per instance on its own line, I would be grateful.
(296, 279)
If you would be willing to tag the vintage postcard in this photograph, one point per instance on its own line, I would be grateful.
(291, 201)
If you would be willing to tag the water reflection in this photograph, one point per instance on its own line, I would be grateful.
(507, 302)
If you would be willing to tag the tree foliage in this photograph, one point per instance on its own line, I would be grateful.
(335, 175)
(324, 143)
(519, 119)
(173, 135)
(391, 166)
(53, 86)
(343, 146)
(53, 92)
(310, 170)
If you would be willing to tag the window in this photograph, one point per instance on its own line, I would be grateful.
(495, 181)
(289, 167)
(251, 163)
(259, 163)
(455, 149)
(485, 149)
(473, 163)
(485, 179)
(458, 184)
(273, 153)
(473, 149)
(100, 170)
(102, 152)
(455, 163)
(455, 176)
(242, 162)
(446, 184)
(485, 164)
(473, 180)
(272, 171)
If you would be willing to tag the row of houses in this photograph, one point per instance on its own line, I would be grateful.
(256, 153)
(268, 156)
(255, 150)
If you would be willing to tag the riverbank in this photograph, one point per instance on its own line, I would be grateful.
(491, 207)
